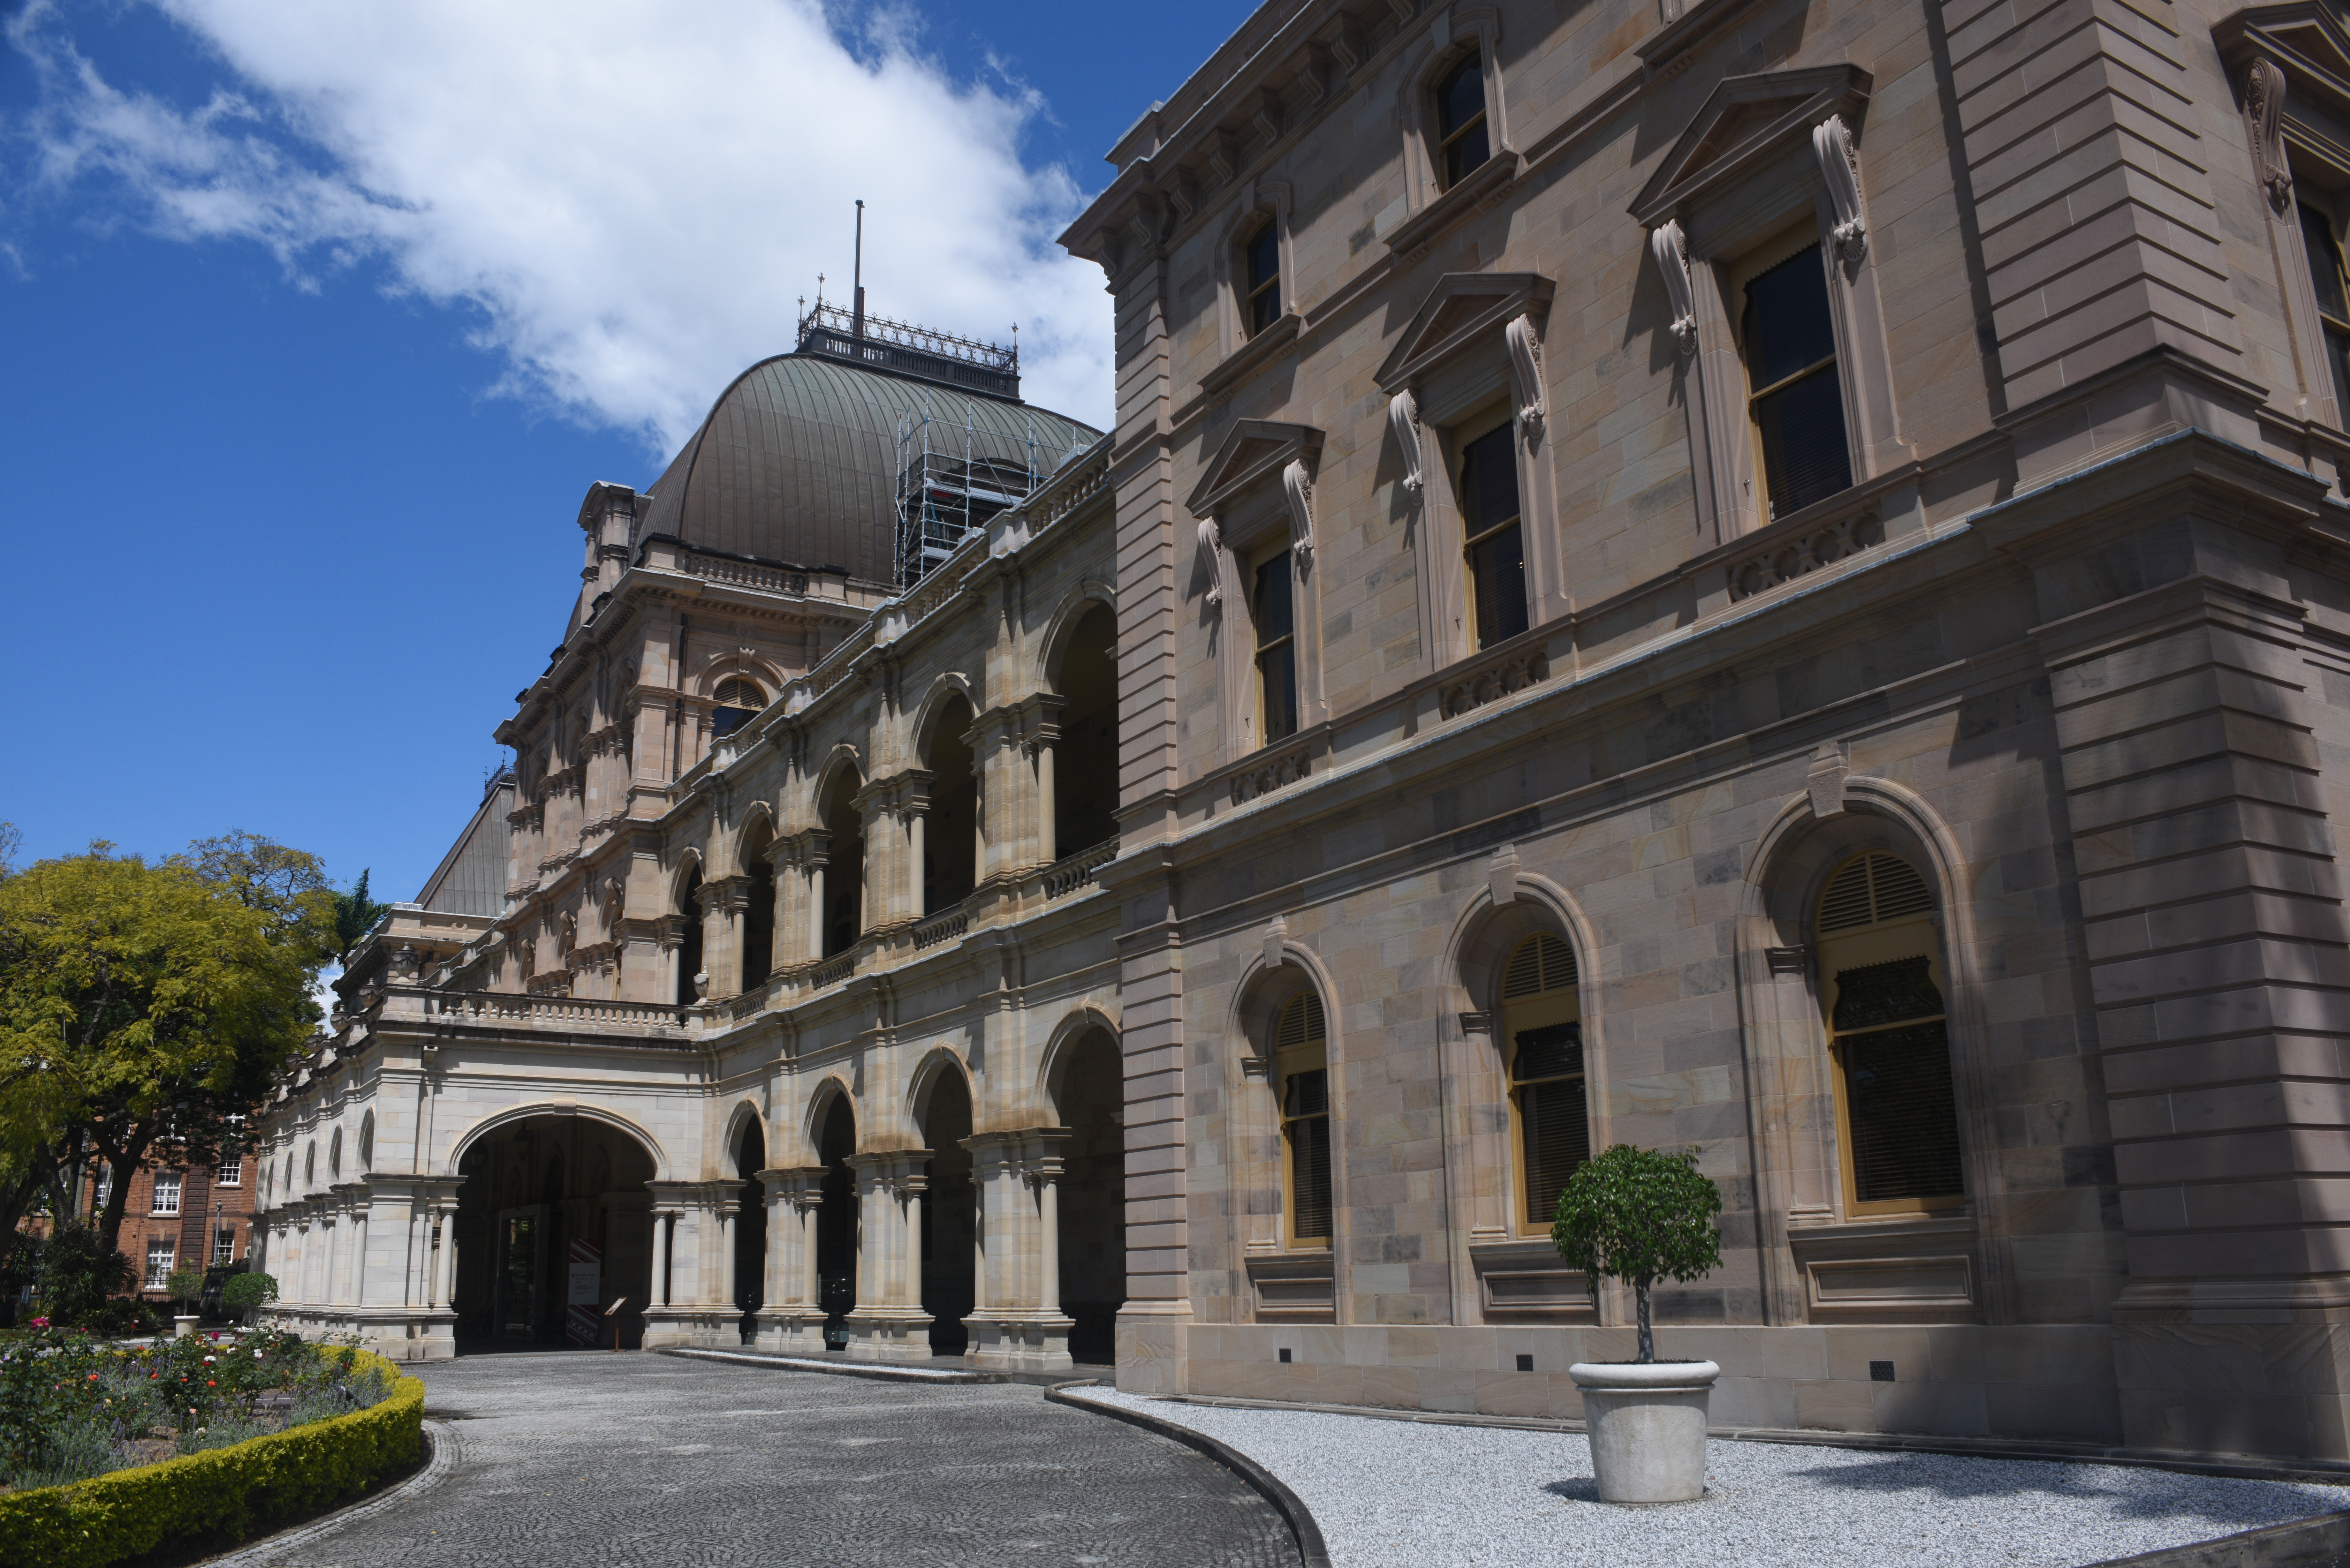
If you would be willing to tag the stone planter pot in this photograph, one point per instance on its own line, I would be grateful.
(182, 1327)
(1647, 1427)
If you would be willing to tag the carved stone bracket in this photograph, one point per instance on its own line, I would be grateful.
(1791, 558)
(1672, 249)
(2264, 88)
(1270, 776)
(1493, 681)
(1840, 172)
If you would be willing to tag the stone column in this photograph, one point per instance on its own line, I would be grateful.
(728, 1209)
(889, 1323)
(661, 1218)
(1019, 1324)
(819, 851)
(723, 903)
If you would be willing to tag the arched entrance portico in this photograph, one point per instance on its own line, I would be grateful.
(553, 1215)
(950, 1214)
(835, 1223)
(750, 1228)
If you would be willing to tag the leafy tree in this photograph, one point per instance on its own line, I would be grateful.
(144, 1009)
(355, 916)
(184, 1285)
(78, 1270)
(1639, 1216)
(247, 1290)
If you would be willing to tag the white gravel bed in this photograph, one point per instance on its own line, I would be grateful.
(1403, 1494)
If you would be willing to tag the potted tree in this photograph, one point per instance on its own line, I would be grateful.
(247, 1292)
(1640, 1216)
(183, 1285)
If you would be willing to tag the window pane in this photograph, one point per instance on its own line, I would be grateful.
(1306, 1094)
(1904, 1123)
(1558, 1132)
(1460, 97)
(224, 1247)
(1550, 1051)
(1466, 155)
(2325, 263)
(1489, 481)
(1498, 561)
(1276, 673)
(1264, 310)
(1787, 324)
(1804, 457)
(1263, 257)
(1309, 1175)
(1274, 606)
(159, 1263)
(1885, 993)
(2337, 357)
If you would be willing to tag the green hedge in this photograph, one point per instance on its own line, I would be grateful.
(223, 1492)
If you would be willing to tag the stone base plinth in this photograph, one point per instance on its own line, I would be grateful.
(1019, 1342)
(791, 1329)
(698, 1327)
(888, 1333)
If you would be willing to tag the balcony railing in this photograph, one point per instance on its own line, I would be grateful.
(946, 927)
(570, 1011)
(1071, 872)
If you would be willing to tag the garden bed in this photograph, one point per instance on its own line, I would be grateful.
(107, 1453)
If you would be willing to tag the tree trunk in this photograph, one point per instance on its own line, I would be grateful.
(1647, 1334)
(109, 1219)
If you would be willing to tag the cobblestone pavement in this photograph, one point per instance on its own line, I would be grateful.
(647, 1462)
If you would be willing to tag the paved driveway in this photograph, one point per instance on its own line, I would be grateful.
(646, 1462)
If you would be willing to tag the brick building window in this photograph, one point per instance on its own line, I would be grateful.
(224, 1244)
(1463, 143)
(167, 1192)
(1301, 1060)
(1794, 394)
(160, 1250)
(1541, 1033)
(104, 1193)
(230, 1172)
(1896, 1111)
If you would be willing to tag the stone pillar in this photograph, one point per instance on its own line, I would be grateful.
(889, 1323)
(661, 1218)
(723, 903)
(1019, 1324)
(789, 1319)
(728, 1209)
(2219, 964)
(819, 852)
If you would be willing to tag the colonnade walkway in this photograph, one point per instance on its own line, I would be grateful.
(643, 1461)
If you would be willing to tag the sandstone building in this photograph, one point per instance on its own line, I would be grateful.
(1742, 574)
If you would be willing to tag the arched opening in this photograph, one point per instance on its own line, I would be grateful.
(1301, 1072)
(950, 836)
(1085, 760)
(950, 1214)
(751, 1227)
(553, 1222)
(759, 911)
(1542, 1051)
(835, 1223)
(1882, 990)
(844, 870)
(689, 941)
(735, 703)
(1091, 1100)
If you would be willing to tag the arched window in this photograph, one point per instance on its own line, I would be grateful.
(1302, 1068)
(737, 702)
(1262, 254)
(1462, 142)
(1896, 1115)
(1541, 1036)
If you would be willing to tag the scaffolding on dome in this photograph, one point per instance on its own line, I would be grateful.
(947, 486)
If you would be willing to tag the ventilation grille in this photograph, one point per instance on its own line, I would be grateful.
(1542, 963)
(1300, 1023)
(1872, 888)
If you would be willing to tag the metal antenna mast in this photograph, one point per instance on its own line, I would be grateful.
(856, 328)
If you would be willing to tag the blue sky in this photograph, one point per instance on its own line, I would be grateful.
(320, 317)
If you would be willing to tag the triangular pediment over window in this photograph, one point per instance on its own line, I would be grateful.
(2306, 41)
(1464, 307)
(1745, 124)
(1252, 452)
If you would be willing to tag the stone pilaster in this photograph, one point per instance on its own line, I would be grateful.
(889, 1323)
(1017, 1320)
(791, 1320)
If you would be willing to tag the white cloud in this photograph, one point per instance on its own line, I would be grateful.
(631, 194)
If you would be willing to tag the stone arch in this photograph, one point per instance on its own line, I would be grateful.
(725, 666)
(366, 1142)
(744, 1110)
(945, 687)
(681, 875)
(758, 818)
(1053, 1065)
(1796, 1168)
(334, 1156)
(491, 1125)
(937, 1062)
(829, 1089)
(1081, 667)
(844, 755)
(1053, 645)
(310, 1166)
(841, 913)
(1278, 970)
(1511, 906)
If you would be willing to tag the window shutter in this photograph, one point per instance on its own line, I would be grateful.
(1871, 888)
(1542, 962)
(1309, 1142)
(1301, 1022)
